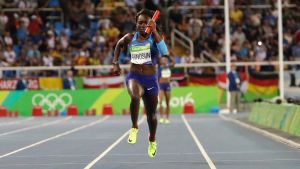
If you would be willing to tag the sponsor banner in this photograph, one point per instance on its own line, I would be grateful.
(51, 100)
(258, 84)
(23, 101)
(50, 83)
(103, 82)
(203, 98)
(10, 84)
(78, 82)
(221, 80)
(3, 95)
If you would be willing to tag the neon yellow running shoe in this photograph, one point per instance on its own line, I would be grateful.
(152, 149)
(161, 120)
(167, 121)
(132, 135)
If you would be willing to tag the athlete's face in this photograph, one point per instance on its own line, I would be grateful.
(164, 61)
(141, 24)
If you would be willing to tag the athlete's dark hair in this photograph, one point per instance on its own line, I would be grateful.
(145, 12)
(149, 13)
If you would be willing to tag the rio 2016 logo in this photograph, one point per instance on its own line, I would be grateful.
(52, 101)
(180, 101)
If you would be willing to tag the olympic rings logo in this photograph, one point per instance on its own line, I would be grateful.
(52, 101)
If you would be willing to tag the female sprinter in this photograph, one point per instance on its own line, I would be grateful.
(141, 81)
(164, 78)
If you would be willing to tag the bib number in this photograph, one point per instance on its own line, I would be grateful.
(140, 54)
(166, 73)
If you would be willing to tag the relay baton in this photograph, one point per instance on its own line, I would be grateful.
(154, 18)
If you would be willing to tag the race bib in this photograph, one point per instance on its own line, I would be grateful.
(140, 54)
(166, 73)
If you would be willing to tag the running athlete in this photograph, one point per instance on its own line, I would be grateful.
(164, 78)
(141, 81)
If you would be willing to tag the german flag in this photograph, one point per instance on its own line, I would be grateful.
(196, 79)
(178, 79)
(263, 84)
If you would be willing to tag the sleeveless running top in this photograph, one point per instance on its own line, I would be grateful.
(144, 52)
(164, 72)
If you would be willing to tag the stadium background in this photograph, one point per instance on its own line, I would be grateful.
(40, 40)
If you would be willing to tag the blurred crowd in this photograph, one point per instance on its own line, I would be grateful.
(84, 32)
(254, 32)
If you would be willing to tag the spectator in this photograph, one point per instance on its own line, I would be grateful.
(295, 57)
(33, 51)
(243, 53)
(34, 28)
(47, 59)
(195, 26)
(131, 3)
(63, 39)
(239, 36)
(69, 82)
(22, 82)
(53, 3)
(236, 15)
(8, 39)
(260, 51)
(3, 21)
(51, 40)
(234, 88)
(22, 32)
(98, 40)
(10, 56)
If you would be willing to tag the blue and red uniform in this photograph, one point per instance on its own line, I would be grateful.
(146, 53)
(164, 72)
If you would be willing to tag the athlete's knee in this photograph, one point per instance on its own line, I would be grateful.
(160, 104)
(135, 99)
(151, 116)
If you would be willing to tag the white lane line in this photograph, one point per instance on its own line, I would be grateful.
(254, 152)
(226, 153)
(263, 132)
(35, 127)
(201, 162)
(55, 137)
(262, 160)
(197, 162)
(201, 148)
(91, 164)
(152, 162)
(16, 122)
(41, 164)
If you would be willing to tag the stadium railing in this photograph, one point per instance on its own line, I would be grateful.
(185, 41)
(126, 67)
